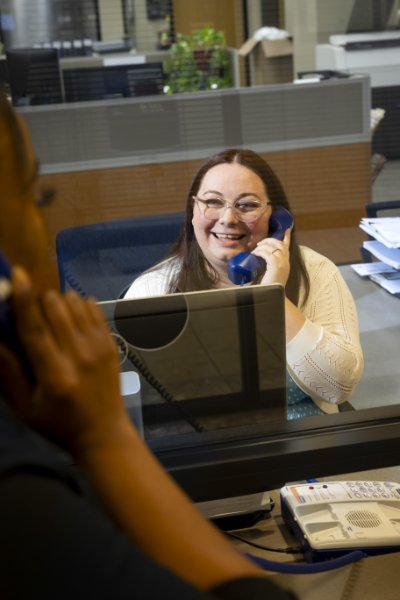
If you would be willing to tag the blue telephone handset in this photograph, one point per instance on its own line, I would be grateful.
(8, 332)
(6, 323)
(245, 267)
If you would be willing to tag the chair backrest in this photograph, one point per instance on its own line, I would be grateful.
(102, 259)
(390, 208)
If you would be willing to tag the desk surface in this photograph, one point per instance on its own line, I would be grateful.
(379, 320)
(373, 578)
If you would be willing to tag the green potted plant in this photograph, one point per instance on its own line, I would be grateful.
(198, 61)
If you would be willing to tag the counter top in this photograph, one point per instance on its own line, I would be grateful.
(372, 578)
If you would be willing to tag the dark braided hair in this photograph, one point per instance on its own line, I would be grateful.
(9, 120)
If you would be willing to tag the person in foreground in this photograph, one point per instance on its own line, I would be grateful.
(228, 209)
(147, 540)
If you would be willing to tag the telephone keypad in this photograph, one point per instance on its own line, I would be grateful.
(372, 489)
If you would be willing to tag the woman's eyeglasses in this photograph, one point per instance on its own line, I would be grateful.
(246, 209)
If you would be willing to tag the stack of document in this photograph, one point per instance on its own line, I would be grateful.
(385, 247)
(384, 229)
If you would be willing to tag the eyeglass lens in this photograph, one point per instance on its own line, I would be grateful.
(245, 210)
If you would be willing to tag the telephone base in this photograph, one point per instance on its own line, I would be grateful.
(330, 519)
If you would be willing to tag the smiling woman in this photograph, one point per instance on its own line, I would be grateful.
(228, 211)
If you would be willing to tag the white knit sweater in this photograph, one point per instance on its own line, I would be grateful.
(324, 358)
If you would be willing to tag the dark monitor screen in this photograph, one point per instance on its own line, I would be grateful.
(208, 360)
(34, 76)
(212, 366)
(105, 83)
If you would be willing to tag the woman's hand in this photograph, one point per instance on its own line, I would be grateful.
(276, 254)
(75, 399)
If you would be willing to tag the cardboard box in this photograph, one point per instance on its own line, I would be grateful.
(271, 61)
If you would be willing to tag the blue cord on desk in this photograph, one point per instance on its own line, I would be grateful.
(298, 569)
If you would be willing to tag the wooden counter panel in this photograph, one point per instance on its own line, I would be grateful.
(327, 189)
(325, 179)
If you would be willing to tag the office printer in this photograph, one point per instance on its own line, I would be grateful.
(375, 53)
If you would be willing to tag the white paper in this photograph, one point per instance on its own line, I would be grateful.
(390, 256)
(389, 281)
(366, 269)
(385, 229)
(270, 33)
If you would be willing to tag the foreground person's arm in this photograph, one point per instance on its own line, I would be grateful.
(77, 402)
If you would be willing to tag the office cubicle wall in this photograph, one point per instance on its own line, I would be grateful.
(137, 156)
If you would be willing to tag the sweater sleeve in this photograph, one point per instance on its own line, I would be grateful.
(325, 357)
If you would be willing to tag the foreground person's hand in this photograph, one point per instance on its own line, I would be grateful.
(76, 398)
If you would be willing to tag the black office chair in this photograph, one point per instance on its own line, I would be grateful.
(102, 259)
(386, 208)
(389, 208)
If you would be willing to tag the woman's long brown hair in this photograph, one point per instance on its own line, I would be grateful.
(196, 273)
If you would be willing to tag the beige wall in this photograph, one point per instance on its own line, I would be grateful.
(301, 22)
(111, 19)
(146, 30)
(253, 15)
